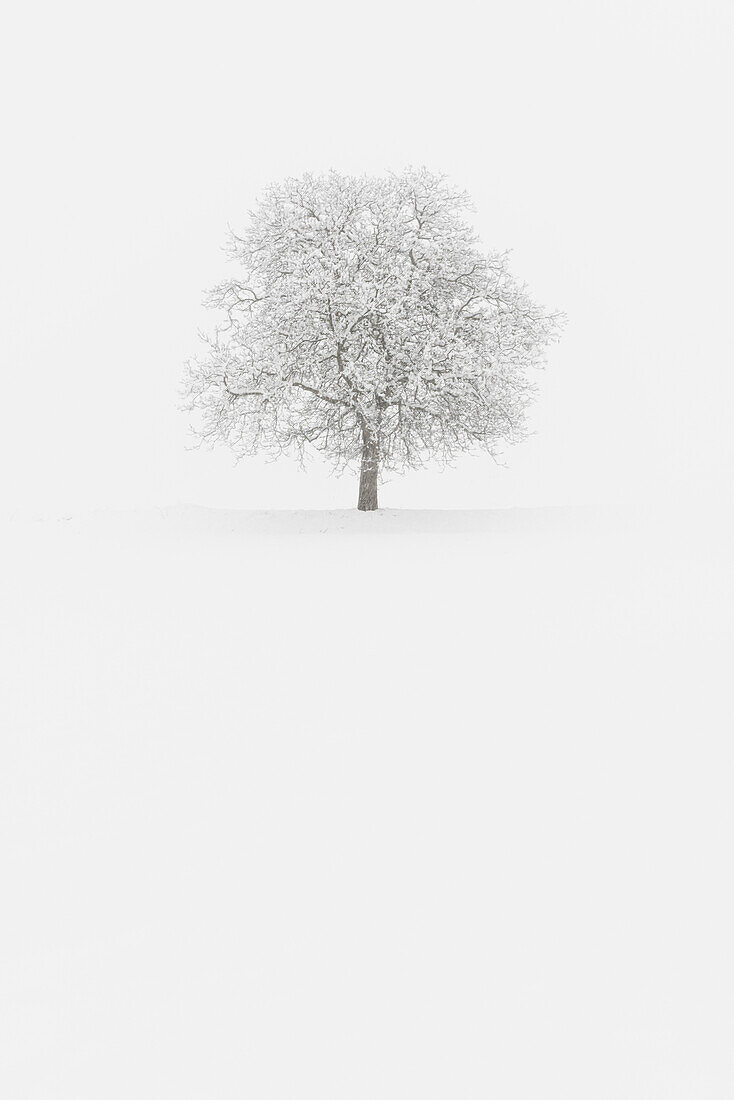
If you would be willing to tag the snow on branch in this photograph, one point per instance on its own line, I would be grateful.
(367, 321)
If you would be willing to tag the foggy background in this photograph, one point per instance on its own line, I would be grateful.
(592, 137)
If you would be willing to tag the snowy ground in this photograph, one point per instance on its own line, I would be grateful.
(413, 804)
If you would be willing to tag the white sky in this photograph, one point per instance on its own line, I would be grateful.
(593, 137)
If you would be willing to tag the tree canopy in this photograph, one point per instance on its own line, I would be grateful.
(367, 324)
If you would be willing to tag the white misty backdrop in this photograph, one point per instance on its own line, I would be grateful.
(342, 805)
(589, 136)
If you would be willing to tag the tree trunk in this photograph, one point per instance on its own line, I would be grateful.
(367, 501)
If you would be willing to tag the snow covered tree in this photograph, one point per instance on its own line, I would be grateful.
(368, 325)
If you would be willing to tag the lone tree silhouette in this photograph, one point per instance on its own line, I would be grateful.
(369, 326)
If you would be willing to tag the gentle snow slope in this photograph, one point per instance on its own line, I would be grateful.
(345, 806)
